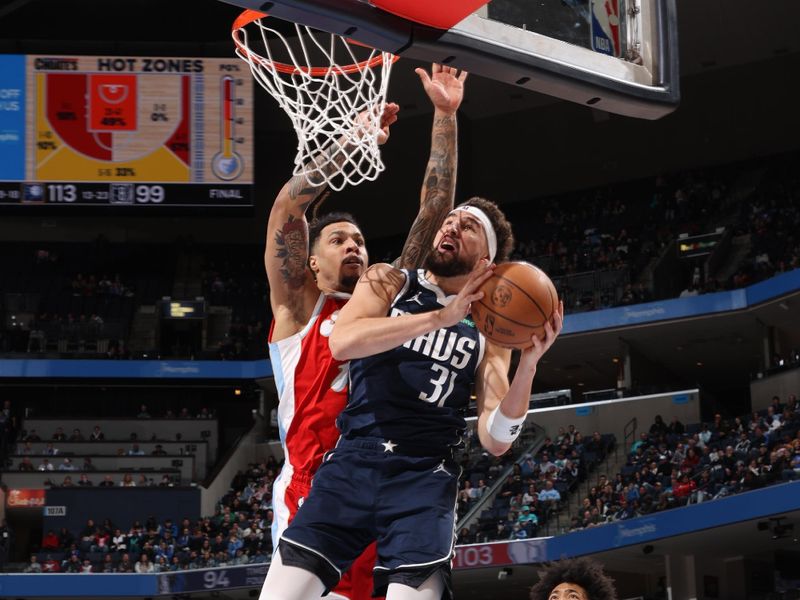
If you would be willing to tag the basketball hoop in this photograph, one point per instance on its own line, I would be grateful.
(336, 109)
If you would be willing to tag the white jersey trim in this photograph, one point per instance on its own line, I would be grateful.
(317, 552)
(404, 289)
(441, 297)
(285, 355)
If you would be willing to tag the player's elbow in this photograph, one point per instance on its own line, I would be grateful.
(497, 449)
(341, 348)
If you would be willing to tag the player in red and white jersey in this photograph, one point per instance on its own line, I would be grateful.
(312, 269)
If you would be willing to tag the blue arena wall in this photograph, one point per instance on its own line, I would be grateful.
(135, 369)
(682, 308)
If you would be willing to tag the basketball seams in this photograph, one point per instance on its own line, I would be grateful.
(526, 294)
(502, 316)
(506, 306)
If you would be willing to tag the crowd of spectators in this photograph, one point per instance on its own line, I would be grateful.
(244, 340)
(595, 244)
(673, 465)
(238, 533)
(128, 480)
(91, 285)
(537, 486)
(773, 223)
(79, 298)
(668, 466)
(78, 331)
(77, 471)
(620, 228)
(239, 281)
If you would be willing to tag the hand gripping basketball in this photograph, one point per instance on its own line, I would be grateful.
(461, 305)
(517, 304)
(530, 356)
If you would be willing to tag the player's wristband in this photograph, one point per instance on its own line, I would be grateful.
(502, 428)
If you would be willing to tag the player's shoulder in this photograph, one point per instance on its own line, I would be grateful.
(385, 275)
(383, 270)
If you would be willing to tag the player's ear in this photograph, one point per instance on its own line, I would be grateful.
(313, 264)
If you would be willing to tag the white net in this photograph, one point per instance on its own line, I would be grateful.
(336, 110)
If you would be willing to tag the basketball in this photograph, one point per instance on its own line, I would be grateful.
(518, 299)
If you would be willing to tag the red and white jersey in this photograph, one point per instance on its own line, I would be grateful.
(312, 388)
(312, 391)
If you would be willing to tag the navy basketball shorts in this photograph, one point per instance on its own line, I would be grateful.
(362, 493)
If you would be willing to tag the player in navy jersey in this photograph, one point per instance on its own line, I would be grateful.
(312, 268)
(415, 355)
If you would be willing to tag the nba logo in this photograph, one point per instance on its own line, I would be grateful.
(33, 192)
(605, 27)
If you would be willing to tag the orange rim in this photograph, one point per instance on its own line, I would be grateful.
(250, 16)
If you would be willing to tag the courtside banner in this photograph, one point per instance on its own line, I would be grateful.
(221, 578)
(65, 585)
(499, 554)
(684, 308)
(25, 498)
(135, 369)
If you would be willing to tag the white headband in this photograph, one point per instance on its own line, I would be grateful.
(491, 236)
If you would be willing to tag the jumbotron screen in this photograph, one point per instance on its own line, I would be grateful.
(125, 131)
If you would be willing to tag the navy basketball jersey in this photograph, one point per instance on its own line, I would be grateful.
(416, 392)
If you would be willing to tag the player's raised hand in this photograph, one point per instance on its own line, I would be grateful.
(444, 86)
(460, 306)
(365, 124)
(388, 117)
(530, 356)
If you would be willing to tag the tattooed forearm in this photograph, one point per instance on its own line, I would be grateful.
(312, 182)
(291, 249)
(438, 192)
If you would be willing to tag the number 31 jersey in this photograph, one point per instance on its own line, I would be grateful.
(417, 392)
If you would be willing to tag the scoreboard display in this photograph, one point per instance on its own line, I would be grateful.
(125, 131)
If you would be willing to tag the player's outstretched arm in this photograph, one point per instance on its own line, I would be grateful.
(363, 327)
(502, 407)
(445, 88)
(293, 291)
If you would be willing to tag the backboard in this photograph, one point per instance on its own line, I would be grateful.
(619, 56)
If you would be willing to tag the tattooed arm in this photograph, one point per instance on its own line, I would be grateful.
(291, 286)
(445, 88)
(292, 289)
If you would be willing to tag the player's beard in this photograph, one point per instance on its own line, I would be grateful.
(348, 283)
(446, 265)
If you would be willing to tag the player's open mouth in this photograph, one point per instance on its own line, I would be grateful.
(353, 260)
(447, 245)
